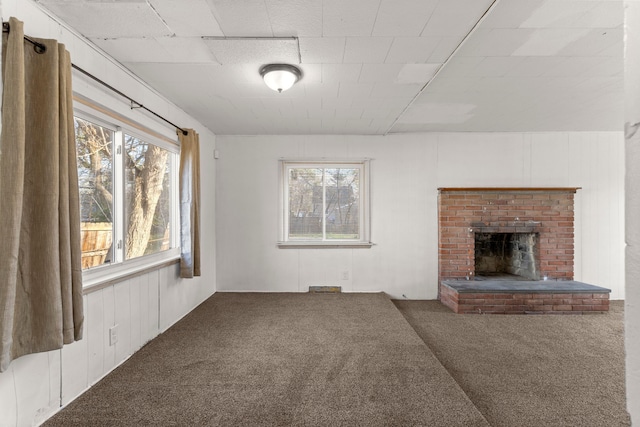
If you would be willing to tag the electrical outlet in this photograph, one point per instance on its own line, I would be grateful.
(113, 335)
(345, 275)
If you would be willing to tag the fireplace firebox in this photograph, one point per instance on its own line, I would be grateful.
(509, 256)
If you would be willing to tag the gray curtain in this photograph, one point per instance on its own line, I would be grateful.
(40, 259)
(190, 204)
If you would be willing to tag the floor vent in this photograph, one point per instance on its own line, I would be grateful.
(325, 289)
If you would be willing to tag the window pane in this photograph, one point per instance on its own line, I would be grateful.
(305, 203)
(147, 198)
(342, 188)
(94, 146)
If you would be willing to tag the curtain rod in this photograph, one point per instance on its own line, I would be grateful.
(38, 47)
(41, 48)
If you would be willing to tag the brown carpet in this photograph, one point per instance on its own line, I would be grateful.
(543, 370)
(280, 359)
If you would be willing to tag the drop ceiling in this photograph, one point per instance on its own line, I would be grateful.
(371, 66)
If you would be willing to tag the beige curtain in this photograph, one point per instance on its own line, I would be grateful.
(190, 204)
(40, 263)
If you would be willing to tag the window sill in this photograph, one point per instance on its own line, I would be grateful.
(101, 277)
(324, 245)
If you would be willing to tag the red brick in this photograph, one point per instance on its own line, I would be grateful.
(474, 301)
(503, 296)
(594, 301)
(561, 308)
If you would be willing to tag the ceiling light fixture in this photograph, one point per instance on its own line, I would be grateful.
(280, 77)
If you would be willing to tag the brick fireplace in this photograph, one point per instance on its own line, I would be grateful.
(516, 235)
(544, 214)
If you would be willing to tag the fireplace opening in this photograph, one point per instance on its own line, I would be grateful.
(509, 256)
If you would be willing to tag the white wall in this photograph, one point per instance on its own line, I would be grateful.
(34, 386)
(632, 115)
(406, 171)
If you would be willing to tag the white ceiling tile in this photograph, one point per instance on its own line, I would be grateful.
(353, 90)
(276, 103)
(462, 66)
(186, 49)
(414, 50)
(366, 50)
(452, 85)
(158, 50)
(495, 66)
(438, 113)
(596, 42)
(110, 20)
(332, 103)
(533, 66)
(242, 18)
(403, 17)
(558, 14)
(348, 18)
(321, 90)
(348, 73)
(496, 42)
(371, 113)
(615, 49)
(302, 18)
(606, 67)
(134, 50)
(373, 73)
(306, 103)
(548, 42)
(381, 103)
(391, 90)
(254, 51)
(455, 17)
(311, 73)
(348, 113)
(188, 17)
(195, 86)
(417, 73)
(511, 14)
(571, 66)
(334, 123)
(446, 46)
(607, 14)
(322, 50)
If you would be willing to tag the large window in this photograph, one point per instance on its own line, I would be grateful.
(325, 203)
(127, 185)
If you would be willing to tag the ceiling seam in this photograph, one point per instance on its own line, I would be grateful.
(462, 42)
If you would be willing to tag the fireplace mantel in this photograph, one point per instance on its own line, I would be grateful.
(510, 189)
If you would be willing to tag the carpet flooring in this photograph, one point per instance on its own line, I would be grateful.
(363, 360)
(531, 370)
(280, 359)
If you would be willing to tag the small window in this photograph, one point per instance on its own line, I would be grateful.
(325, 203)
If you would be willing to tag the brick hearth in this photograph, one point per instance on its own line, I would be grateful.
(500, 297)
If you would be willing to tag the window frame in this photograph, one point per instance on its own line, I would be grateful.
(120, 267)
(364, 223)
